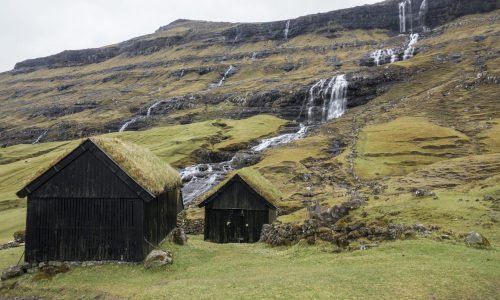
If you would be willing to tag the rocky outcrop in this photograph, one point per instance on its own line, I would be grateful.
(383, 15)
(158, 258)
(476, 240)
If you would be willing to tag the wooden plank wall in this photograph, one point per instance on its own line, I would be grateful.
(63, 229)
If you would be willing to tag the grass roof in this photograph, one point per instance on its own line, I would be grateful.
(138, 162)
(141, 164)
(254, 179)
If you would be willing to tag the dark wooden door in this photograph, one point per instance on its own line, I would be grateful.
(237, 226)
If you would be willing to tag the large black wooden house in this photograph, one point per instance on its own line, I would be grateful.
(105, 200)
(236, 210)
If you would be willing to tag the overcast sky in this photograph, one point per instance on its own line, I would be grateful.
(35, 28)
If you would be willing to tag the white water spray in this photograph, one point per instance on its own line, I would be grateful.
(381, 56)
(333, 106)
(314, 92)
(221, 82)
(287, 29)
(338, 97)
(41, 136)
(410, 49)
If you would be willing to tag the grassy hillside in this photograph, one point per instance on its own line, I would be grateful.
(173, 144)
(418, 269)
(434, 128)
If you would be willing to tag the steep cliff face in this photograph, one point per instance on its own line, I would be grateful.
(418, 15)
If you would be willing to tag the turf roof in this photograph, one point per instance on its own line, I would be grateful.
(255, 180)
(149, 171)
(141, 164)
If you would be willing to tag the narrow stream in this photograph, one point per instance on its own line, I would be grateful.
(200, 178)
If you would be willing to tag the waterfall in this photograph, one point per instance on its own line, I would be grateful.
(148, 114)
(402, 17)
(41, 136)
(199, 179)
(128, 123)
(410, 49)
(287, 29)
(316, 89)
(254, 55)
(133, 120)
(338, 97)
(422, 15)
(281, 139)
(221, 82)
(410, 15)
(380, 56)
(333, 106)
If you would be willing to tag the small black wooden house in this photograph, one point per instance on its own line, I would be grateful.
(105, 200)
(236, 210)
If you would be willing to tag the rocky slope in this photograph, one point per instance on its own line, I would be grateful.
(179, 69)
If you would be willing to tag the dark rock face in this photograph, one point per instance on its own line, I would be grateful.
(383, 15)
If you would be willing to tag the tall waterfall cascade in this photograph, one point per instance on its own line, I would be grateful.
(402, 17)
(331, 96)
(422, 15)
(287, 29)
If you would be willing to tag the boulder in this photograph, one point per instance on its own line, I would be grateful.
(178, 236)
(11, 272)
(477, 240)
(19, 236)
(158, 258)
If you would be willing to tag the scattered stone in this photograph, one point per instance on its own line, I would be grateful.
(477, 240)
(19, 236)
(158, 258)
(53, 268)
(423, 193)
(287, 67)
(478, 38)
(488, 198)
(11, 272)
(178, 236)
(445, 237)
(367, 246)
(11, 244)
